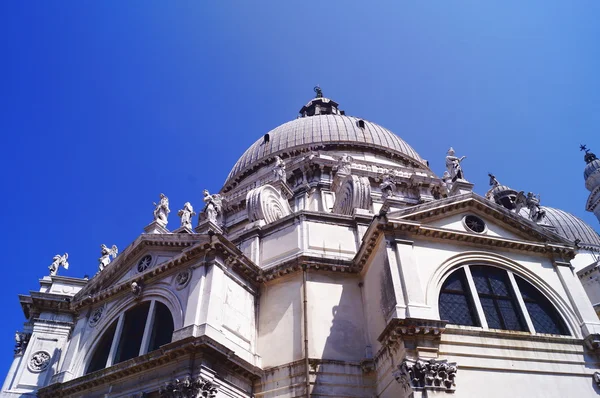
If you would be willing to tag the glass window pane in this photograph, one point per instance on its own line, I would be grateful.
(543, 315)
(499, 284)
(510, 316)
(455, 301)
(491, 314)
(102, 349)
(162, 329)
(480, 279)
(133, 331)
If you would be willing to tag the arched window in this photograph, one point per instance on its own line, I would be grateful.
(497, 299)
(139, 330)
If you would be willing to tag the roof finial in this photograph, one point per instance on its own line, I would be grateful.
(319, 92)
(589, 156)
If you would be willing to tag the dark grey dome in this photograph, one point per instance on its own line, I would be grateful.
(325, 131)
(572, 227)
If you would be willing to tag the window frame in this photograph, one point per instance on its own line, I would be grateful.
(116, 339)
(518, 296)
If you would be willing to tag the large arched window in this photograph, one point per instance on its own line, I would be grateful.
(137, 331)
(494, 298)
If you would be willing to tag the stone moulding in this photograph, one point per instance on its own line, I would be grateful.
(189, 387)
(353, 193)
(266, 203)
(399, 329)
(432, 374)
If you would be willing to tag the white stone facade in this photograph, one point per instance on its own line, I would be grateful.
(330, 268)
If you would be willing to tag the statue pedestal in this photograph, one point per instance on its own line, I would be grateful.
(183, 230)
(461, 187)
(207, 226)
(155, 227)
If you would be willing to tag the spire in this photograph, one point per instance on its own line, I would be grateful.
(589, 157)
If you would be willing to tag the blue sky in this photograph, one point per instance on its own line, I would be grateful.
(107, 104)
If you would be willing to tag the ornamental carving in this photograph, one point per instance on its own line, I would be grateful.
(352, 193)
(144, 263)
(39, 361)
(96, 316)
(433, 374)
(266, 203)
(182, 279)
(189, 388)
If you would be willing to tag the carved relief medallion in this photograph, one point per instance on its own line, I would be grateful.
(96, 316)
(182, 279)
(39, 361)
(144, 263)
(352, 193)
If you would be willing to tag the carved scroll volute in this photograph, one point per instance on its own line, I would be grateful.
(353, 193)
(266, 203)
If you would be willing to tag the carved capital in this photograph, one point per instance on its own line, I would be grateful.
(189, 387)
(433, 374)
(592, 342)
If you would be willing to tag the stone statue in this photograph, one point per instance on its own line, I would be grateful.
(520, 202)
(318, 91)
(58, 261)
(388, 186)
(536, 214)
(21, 341)
(213, 207)
(106, 255)
(161, 211)
(493, 181)
(279, 169)
(186, 215)
(453, 165)
(345, 165)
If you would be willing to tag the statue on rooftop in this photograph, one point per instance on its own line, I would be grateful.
(213, 207)
(388, 186)
(453, 165)
(58, 261)
(319, 92)
(279, 169)
(536, 213)
(161, 210)
(186, 215)
(493, 181)
(345, 165)
(106, 255)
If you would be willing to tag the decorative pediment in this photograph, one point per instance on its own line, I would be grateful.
(449, 214)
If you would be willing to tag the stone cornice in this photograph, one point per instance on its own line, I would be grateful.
(232, 256)
(398, 329)
(310, 263)
(171, 352)
(37, 302)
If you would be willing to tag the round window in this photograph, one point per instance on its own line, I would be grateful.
(474, 223)
(144, 263)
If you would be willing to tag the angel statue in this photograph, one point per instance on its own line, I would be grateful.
(213, 207)
(106, 255)
(58, 261)
(21, 340)
(279, 169)
(520, 202)
(186, 215)
(161, 211)
(536, 214)
(453, 165)
(344, 164)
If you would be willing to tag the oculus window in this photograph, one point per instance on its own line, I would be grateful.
(137, 331)
(498, 292)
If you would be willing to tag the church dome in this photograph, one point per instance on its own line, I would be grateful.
(591, 167)
(571, 227)
(322, 132)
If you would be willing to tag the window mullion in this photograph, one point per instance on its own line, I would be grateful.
(475, 297)
(521, 302)
(148, 328)
(115, 342)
